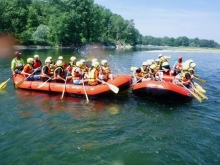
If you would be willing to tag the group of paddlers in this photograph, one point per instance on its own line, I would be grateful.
(60, 71)
(155, 69)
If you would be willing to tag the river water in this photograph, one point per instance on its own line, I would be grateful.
(39, 128)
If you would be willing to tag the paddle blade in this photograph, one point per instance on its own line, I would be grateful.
(89, 59)
(199, 88)
(200, 80)
(3, 85)
(19, 83)
(113, 88)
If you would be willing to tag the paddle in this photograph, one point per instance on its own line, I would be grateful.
(137, 81)
(3, 84)
(64, 87)
(45, 82)
(87, 99)
(112, 87)
(89, 59)
(19, 83)
(195, 95)
(199, 79)
(199, 87)
(198, 92)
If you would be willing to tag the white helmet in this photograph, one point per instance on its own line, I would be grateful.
(94, 60)
(59, 63)
(72, 58)
(47, 60)
(185, 66)
(30, 60)
(193, 65)
(50, 57)
(145, 63)
(79, 63)
(60, 58)
(189, 61)
(36, 56)
(157, 60)
(103, 62)
(82, 60)
(160, 55)
(95, 64)
(153, 66)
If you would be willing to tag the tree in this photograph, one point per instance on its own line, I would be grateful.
(40, 35)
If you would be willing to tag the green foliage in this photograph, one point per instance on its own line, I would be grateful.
(76, 22)
(180, 41)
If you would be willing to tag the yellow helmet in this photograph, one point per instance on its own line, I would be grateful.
(59, 63)
(94, 60)
(95, 64)
(79, 63)
(30, 60)
(36, 56)
(72, 58)
(185, 66)
(153, 66)
(60, 58)
(103, 62)
(47, 60)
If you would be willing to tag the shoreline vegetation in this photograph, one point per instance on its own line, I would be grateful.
(77, 23)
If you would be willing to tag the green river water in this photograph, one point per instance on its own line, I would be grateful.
(39, 128)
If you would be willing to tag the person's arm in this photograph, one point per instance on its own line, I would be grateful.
(45, 70)
(188, 77)
(13, 66)
(59, 72)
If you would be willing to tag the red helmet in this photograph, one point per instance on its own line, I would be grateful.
(17, 53)
(180, 58)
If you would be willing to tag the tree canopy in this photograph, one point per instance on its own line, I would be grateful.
(76, 22)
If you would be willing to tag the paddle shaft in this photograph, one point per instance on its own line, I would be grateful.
(64, 88)
(44, 82)
(87, 99)
(197, 97)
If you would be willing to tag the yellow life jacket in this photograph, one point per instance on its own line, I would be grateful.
(92, 79)
(55, 74)
(105, 70)
(143, 72)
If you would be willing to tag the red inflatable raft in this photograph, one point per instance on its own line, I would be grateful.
(123, 82)
(161, 90)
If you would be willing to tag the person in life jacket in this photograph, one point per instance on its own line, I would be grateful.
(52, 64)
(186, 77)
(17, 64)
(192, 69)
(93, 74)
(177, 67)
(142, 73)
(84, 67)
(105, 72)
(59, 72)
(71, 64)
(64, 62)
(45, 71)
(164, 64)
(37, 64)
(78, 74)
(153, 72)
(157, 62)
(29, 71)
